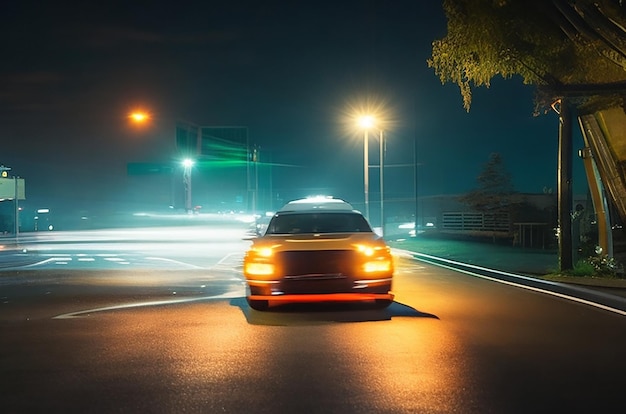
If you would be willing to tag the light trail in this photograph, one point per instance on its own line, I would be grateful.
(81, 313)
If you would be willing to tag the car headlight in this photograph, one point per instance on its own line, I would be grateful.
(378, 258)
(264, 251)
(375, 266)
(258, 269)
(372, 250)
(258, 261)
(365, 249)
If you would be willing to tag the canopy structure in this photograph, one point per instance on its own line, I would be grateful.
(604, 156)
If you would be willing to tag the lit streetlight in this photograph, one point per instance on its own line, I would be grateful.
(187, 164)
(139, 117)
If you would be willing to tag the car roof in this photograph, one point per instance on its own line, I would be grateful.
(317, 204)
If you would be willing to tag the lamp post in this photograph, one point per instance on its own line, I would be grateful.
(187, 164)
(366, 122)
(381, 170)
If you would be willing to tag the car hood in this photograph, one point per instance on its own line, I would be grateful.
(325, 241)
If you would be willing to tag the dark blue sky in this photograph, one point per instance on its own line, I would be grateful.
(289, 71)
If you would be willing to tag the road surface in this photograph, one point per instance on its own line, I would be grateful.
(138, 337)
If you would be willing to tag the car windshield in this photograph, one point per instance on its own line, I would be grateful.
(318, 223)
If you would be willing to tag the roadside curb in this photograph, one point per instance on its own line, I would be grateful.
(582, 294)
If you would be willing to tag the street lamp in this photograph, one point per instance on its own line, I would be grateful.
(366, 122)
(139, 117)
(187, 164)
(380, 171)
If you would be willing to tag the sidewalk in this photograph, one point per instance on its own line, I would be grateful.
(496, 256)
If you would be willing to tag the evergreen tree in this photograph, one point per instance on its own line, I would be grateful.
(495, 188)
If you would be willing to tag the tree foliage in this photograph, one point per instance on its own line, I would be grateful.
(495, 188)
(549, 43)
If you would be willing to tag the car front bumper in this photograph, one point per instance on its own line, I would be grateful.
(325, 297)
(320, 285)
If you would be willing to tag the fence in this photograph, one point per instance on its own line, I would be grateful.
(476, 223)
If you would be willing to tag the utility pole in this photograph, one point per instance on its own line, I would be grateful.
(17, 209)
(565, 186)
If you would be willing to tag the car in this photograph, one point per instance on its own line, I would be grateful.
(318, 250)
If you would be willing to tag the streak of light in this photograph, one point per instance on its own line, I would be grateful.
(177, 262)
(228, 295)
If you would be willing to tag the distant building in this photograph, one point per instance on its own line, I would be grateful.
(530, 221)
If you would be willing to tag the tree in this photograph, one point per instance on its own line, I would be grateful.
(565, 47)
(495, 188)
(574, 51)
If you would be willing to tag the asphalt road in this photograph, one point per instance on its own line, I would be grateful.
(138, 338)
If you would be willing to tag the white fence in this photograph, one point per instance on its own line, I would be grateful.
(464, 222)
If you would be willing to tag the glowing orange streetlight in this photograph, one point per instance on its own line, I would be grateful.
(139, 117)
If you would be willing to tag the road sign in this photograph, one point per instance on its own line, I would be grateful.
(187, 138)
(226, 143)
(8, 190)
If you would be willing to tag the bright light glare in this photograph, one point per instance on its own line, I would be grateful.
(372, 112)
(377, 266)
(187, 162)
(259, 269)
(317, 198)
(366, 250)
(265, 252)
(139, 117)
(366, 121)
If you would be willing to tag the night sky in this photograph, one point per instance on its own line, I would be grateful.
(292, 72)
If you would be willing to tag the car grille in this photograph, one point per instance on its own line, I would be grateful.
(317, 262)
(327, 271)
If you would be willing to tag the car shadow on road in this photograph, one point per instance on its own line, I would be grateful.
(322, 313)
